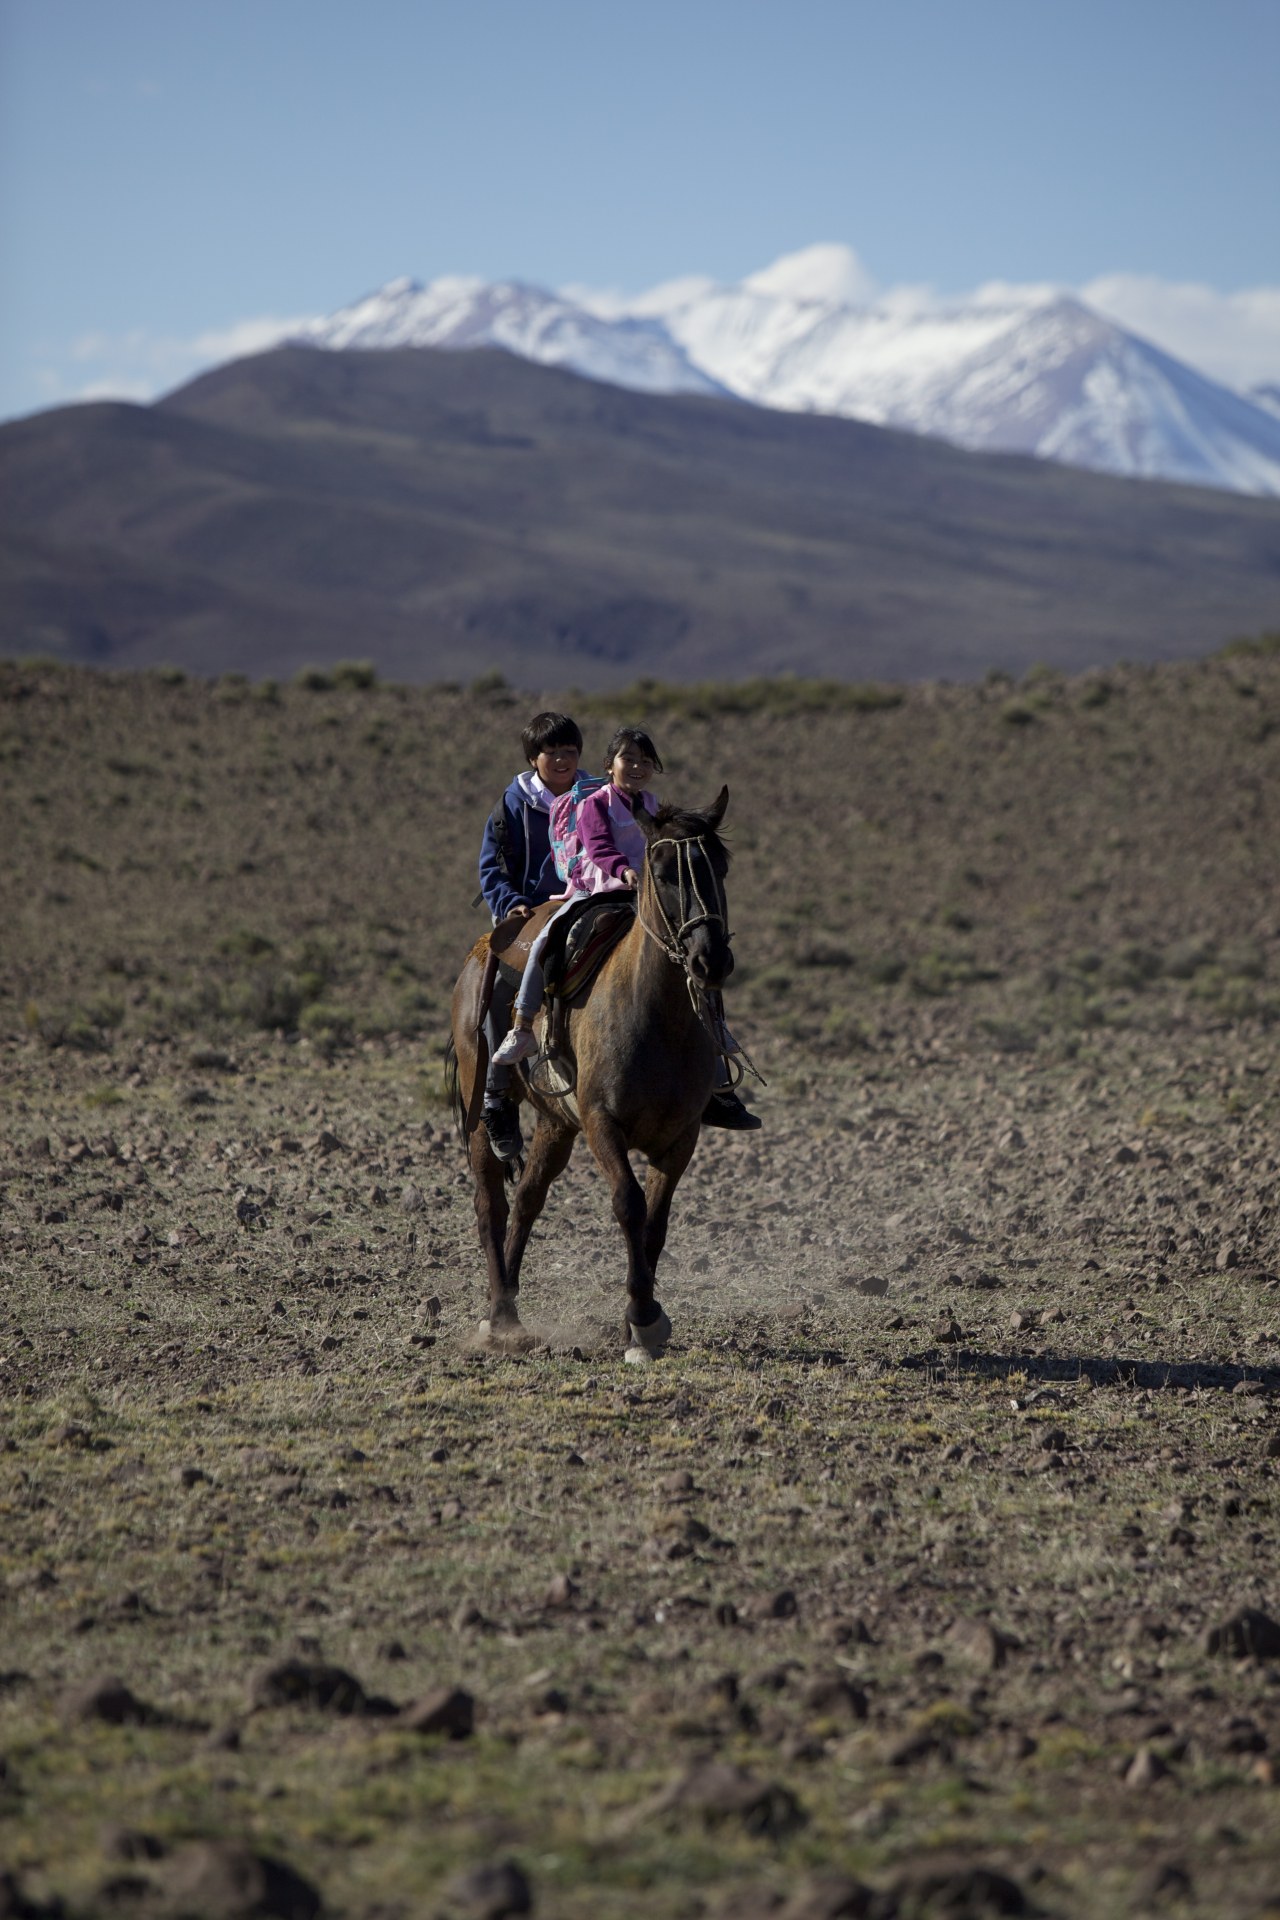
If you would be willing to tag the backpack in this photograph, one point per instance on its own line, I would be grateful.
(566, 846)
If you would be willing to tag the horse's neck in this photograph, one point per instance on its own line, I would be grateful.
(656, 979)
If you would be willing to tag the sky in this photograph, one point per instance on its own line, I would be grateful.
(179, 182)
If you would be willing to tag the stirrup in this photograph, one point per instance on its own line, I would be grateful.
(552, 1073)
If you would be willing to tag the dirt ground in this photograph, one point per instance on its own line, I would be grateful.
(933, 1572)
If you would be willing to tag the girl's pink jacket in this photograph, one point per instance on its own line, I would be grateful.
(611, 840)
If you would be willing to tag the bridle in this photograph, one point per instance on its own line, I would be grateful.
(692, 909)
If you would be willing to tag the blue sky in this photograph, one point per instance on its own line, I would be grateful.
(175, 177)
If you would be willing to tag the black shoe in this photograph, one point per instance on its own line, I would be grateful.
(502, 1124)
(726, 1110)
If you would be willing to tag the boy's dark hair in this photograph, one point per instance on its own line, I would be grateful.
(547, 730)
(631, 737)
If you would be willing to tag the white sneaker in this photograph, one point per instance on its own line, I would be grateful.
(519, 1044)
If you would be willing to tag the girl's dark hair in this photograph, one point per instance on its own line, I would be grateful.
(631, 737)
(547, 730)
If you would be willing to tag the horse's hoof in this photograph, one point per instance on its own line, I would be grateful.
(647, 1343)
(509, 1337)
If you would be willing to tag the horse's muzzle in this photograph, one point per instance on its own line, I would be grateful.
(709, 958)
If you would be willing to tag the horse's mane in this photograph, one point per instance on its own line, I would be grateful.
(688, 825)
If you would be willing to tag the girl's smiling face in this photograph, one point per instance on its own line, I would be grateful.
(631, 769)
(557, 768)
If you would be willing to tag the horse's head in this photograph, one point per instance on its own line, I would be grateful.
(682, 901)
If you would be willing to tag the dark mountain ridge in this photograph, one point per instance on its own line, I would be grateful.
(444, 513)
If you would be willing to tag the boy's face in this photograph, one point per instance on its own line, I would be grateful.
(557, 768)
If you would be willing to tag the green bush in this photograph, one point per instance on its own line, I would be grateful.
(355, 675)
(313, 680)
(1018, 713)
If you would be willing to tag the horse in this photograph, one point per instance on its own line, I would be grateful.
(641, 1052)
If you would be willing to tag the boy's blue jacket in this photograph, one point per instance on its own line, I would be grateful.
(516, 866)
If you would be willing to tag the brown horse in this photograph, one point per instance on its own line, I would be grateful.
(643, 1047)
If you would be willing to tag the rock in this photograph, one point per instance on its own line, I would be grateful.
(412, 1198)
(1025, 1321)
(445, 1710)
(947, 1331)
(980, 1643)
(211, 1060)
(719, 1792)
(323, 1142)
(561, 1591)
(677, 1483)
(218, 1880)
(834, 1697)
(128, 1843)
(1145, 1768)
(1053, 1439)
(776, 1606)
(489, 1892)
(872, 1285)
(109, 1700)
(1247, 1634)
(17, 1905)
(843, 1632)
(1226, 1258)
(956, 1893)
(829, 1896)
(309, 1683)
(1167, 1880)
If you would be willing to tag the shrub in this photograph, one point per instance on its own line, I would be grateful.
(313, 680)
(355, 675)
(1017, 713)
(247, 942)
(491, 682)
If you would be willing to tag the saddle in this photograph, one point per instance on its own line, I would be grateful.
(575, 951)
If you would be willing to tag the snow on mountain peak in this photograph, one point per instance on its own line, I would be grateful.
(1012, 369)
(829, 272)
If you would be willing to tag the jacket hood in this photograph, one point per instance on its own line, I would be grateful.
(532, 790)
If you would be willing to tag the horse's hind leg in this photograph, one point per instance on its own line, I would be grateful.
(547, 1159)
(648, 1328)
(502, 1328)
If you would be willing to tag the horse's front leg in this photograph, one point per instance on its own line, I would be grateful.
(648, 1328)
(665, 1170)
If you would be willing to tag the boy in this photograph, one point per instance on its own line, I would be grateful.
(517, 873)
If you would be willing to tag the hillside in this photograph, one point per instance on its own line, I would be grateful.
(446, 513)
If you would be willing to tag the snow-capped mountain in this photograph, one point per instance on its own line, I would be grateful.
(1025, 372)
(537, 325)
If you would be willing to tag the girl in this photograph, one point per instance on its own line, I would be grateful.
(613, 853)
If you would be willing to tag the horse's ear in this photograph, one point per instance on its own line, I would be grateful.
(715, 812)
(645, 820)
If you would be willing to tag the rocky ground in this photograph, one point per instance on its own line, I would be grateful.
(933, 1572)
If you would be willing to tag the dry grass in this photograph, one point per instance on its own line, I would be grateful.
(1055, 1127)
